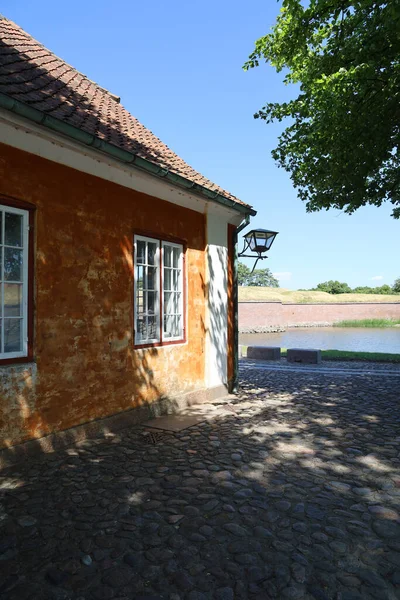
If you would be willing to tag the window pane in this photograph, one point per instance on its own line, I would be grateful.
(151, 303)
(167, 279)
(176, 253)
(151, 253)
(12, 335)
(176, 303)
(167, 256)
(12, 264)
(173, 326)
(140, 306)
(167, 303)
(152, 329)
(140, 252)
(151, 278)
(141, 329)
(13, 230)
(176, 280)
(12, 300)
(1, 227)
(178, 325)
(167, 326)
(139, 277)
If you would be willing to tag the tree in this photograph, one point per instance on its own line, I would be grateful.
(263, 278)
(341, 147)
(259, 278)
(333, 287)
(396, 286)
(243, 274)
(382, 289)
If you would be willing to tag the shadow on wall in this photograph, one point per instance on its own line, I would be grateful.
(102, 364)
(20, 422)
(28, 409)
(286, 502)
(216, 329)
(69, 385)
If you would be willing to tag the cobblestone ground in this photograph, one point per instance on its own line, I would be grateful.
(293, 493)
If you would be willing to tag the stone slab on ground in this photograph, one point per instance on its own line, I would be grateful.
(189, 417)
(264, 352)
(309, 356)
(174, 422)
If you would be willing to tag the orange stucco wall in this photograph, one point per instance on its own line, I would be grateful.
(85, 365)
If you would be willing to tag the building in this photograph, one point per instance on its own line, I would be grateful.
(117, 257)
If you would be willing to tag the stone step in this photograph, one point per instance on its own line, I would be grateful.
(304, 355)
(264, 352)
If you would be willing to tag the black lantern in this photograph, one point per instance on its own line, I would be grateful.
(258, 241)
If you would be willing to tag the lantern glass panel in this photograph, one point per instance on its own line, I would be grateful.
(260, 240)
(270, 239)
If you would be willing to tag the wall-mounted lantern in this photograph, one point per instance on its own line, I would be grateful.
(257, 241)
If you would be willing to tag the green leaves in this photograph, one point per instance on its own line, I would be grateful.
(333, 287)
(342, 146)
(396, 286)
(337, 287)
(259, 278)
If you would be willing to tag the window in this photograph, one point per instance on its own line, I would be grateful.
(159, 302)
(14, 241)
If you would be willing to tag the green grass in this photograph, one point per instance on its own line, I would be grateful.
(368, 323)
(347, 355)
(265, 294)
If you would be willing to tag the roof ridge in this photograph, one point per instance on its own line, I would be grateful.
(53, 87)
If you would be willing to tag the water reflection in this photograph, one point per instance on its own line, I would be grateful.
(330, 338)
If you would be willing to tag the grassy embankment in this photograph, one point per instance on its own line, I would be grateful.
(261, 294)
(347, 355)
(369, 323)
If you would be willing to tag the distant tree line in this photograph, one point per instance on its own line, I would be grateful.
(338, 287)
(264, 278)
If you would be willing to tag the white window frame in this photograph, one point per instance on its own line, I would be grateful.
(180, 337)
(159, 289)
(156, 340)
(25, 283)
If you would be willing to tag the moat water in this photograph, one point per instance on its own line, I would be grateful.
(356, 339)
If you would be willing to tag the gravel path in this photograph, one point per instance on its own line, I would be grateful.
(293, 494)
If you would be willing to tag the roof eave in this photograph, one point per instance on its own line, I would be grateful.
(88, 139)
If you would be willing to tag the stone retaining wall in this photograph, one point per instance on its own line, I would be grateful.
(273, 316)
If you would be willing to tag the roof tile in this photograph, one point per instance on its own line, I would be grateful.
(32, 74)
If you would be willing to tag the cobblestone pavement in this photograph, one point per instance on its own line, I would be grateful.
(293, 493)
(336, 365)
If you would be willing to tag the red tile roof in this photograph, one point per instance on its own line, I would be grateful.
(35, 76)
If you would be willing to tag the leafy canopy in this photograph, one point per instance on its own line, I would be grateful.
(341, 146)
(396, 285)
(333, 287)
(259, 278)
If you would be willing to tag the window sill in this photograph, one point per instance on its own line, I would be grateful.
(16, 361)
(159, 344)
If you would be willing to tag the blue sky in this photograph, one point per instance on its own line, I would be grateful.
(177, 67)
